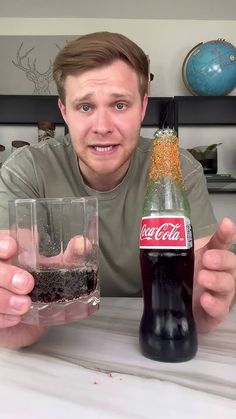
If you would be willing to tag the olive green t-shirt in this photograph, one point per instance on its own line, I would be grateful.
(50, 169)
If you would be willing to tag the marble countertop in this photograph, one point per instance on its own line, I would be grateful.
(94, 369)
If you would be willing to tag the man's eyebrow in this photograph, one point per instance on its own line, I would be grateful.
(80, 99)
(89, 96)
(124, 95)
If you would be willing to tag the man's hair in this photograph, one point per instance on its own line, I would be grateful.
(96, 50)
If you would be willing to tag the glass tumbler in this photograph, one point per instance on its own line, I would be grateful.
(57, 242)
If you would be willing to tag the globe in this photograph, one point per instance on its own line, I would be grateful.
(209, 69)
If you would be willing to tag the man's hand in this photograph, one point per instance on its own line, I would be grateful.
(215, 278)
(15, 284)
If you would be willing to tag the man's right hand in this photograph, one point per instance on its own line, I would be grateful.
(15, 284)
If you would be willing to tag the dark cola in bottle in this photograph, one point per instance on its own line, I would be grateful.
(167, 329)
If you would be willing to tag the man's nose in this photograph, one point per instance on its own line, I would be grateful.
(103, 122)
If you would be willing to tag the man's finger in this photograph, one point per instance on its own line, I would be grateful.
(77, 247)
(219, 260)
(224, 236)
(218, 282)
(7, 246)
(215, 306)
(15, 279)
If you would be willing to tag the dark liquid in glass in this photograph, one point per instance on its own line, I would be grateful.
(54, 285)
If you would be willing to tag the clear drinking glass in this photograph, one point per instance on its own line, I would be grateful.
(57, 242)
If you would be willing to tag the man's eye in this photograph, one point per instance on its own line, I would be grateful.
(121, 106)
(85, 107)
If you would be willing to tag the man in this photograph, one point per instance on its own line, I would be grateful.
(102, 80)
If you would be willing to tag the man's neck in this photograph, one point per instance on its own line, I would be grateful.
(103, 183)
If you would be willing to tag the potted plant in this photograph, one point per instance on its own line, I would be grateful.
(207, 156)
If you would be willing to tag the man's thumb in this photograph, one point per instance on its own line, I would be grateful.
(224, 236)
(77, 248)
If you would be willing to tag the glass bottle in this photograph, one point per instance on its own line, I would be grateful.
(2, 150)
(15, 144)
(167, 330)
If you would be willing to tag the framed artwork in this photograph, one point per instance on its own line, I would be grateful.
(26, 64)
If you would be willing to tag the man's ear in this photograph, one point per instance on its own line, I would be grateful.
(144, 105)
(62, 109)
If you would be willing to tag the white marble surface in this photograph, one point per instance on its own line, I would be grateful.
(93, 369)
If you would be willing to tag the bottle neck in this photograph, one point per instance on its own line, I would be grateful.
(165, 189)
(165, 164)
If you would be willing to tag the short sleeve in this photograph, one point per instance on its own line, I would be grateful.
(202, 215)
(16, 177)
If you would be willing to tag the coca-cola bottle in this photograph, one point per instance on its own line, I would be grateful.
(167, 329)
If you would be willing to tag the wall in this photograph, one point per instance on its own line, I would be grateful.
(166, 42)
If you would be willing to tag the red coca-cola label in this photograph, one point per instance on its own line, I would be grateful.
(165, 232)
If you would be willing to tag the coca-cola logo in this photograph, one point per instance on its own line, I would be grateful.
(161, 232)
(166, 231)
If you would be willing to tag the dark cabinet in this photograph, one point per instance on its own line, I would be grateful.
(204, 110)
(172, 111)
(29, 109)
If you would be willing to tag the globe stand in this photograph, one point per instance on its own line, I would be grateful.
(188, 87)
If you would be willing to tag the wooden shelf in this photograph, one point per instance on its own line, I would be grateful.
(204, 110)
(168, 111)
(29, 109)
(174, 111)
(220, 184)
(160, 112)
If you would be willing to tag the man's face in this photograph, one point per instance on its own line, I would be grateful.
(103, 110)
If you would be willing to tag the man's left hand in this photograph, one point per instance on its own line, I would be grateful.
(215, 278)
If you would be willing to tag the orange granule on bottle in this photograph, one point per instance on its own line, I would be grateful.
(165, 159)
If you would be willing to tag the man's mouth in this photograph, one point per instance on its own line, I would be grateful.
(104, 149)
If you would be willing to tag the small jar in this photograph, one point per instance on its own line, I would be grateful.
(2, 149)
(17, 144)
(46, 130)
